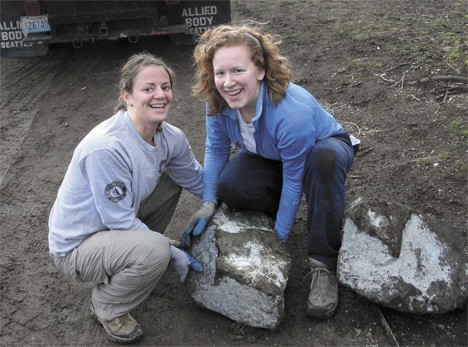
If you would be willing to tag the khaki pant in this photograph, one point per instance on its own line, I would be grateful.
(126, 265)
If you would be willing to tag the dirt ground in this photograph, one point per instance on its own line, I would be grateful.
(366, 61)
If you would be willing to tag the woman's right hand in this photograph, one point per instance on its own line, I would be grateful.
(183, 262)
(197, 223)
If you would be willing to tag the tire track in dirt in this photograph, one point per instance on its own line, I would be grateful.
(23, 85)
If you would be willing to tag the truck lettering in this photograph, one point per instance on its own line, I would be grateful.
(197, 31)
(11, 35)
(199, 21)
(14, 44)
(10, 25)
(199, 11)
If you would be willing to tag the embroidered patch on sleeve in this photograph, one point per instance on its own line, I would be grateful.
(162, 166)
(116, 191)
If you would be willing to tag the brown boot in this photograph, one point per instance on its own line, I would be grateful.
(323, 296)
(123, 329)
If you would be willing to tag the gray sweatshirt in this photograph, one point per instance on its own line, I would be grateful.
(111, 172)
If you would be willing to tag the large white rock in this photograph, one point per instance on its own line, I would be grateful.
(401, 259)
(246, 269)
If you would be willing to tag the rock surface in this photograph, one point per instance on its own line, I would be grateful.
(246, 269)
(401, 259)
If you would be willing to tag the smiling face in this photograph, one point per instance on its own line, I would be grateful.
(149, 100)
(237, 78)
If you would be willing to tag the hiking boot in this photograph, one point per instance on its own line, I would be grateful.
(323, 296)
(123, 329)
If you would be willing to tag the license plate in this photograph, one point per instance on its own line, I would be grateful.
(34, 24)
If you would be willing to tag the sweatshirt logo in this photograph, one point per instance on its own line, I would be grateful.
(162, 166)
(116, 191)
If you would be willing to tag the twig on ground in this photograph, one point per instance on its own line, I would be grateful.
(450, 66)
(355, 176)
(447, 78)
(387, 329)
(451, 91)
(426, 80)
(385, 79)
(400, 81)
(445, 96)
(396, 67)
(447, 90)
(353, 124)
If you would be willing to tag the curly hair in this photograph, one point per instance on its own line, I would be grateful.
(264, 49)
(132, 67)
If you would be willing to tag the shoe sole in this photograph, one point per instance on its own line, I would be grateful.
(323, 315)
(115, 338)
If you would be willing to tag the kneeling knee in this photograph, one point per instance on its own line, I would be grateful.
(325, 164)
(226, 193)
(155, 250)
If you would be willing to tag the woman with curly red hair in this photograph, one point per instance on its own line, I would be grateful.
(288, 145)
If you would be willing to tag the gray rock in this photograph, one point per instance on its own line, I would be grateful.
(401, 259)
(246, 269)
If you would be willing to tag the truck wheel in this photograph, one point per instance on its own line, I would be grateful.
(182, 39)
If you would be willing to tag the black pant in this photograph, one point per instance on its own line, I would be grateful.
(252, 182)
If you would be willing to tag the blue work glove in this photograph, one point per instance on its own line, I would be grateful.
(183, 262)
(197, 223)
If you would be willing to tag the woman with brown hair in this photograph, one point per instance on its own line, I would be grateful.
(118, 196)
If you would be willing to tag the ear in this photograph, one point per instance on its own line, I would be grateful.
(260, 73)
(126, 96)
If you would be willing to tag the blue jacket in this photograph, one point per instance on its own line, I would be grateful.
(286, 132)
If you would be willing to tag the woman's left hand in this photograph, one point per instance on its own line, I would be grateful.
(198, 222)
